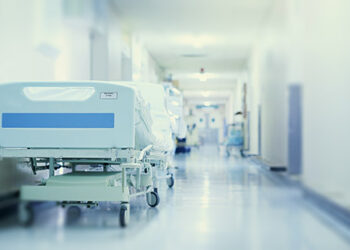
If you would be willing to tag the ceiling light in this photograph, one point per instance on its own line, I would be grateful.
(207, 104)
(194, 55)
(205, 93)
(174, 103)
(203, 77)
(196, 41)
(136, 77)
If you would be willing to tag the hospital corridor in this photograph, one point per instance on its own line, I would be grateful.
(156, 124)
(218, 203)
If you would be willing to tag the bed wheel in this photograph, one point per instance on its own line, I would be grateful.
(73, 213)
(242, 153)
(170, 181)
(124, 215)
(152, 199)
(25, 214)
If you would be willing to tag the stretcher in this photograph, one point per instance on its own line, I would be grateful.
(154, 98)
(74, 126)
(235, 140)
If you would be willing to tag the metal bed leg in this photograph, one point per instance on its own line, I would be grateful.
(155, 179)
(25, 213)
(51, 167)
(138, 185)
(123, 179)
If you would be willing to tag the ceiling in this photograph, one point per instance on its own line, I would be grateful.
(195, 97)
(186, 35)
(222, 30)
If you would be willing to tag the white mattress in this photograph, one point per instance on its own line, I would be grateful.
(153, 126)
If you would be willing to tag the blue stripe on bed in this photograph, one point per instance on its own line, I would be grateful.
(58, 120)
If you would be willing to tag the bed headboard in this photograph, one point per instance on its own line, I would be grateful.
(87, 114)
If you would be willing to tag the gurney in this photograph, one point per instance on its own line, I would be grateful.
(235, 139)
(163, 143)
(69, 125)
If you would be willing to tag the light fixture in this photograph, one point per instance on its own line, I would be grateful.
(207, 104)
(197, 41)
(205, 93)
(136, 77)
(202, 76)
(175, 103)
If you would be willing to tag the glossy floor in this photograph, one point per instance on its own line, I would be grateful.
(217, 203)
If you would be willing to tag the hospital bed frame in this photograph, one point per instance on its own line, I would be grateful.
(82, 188)
(159, 161)
(50, 125)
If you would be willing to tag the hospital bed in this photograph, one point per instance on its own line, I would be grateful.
(235, 139)
(174, 106)
(66, 126)
(159, 156)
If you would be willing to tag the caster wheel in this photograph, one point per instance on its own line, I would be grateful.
(73, 213)
(152, 199)
(170, 181)
(124, 215)
(242, 153)
(25, 214)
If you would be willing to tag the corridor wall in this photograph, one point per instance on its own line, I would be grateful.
(307, 43)
(61, 40)
(326, 119)
(267, 87)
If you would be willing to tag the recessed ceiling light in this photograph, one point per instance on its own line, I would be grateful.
(194, 55)
(205, 93)
(196, 41)
(207, 104)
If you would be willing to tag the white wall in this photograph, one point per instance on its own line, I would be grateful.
(267, 87)
(253, 103)
(237, 105)
(64, 40)
(307, 42)
(115, 47)
(20, 54)
(326, 119)
(144, 67)
(61, 40)
(229, 107)
(41, 41)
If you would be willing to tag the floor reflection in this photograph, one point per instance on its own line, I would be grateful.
(217, 203)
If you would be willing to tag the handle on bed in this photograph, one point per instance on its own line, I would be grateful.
(144, 151)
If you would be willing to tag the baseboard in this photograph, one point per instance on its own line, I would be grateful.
(332, 209)
(268, 166)
(277, 168)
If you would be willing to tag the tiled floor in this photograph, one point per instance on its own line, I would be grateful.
(217, 203)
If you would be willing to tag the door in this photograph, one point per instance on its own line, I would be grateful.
(295, 129)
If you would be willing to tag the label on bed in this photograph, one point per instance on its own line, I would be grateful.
(109, 95)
